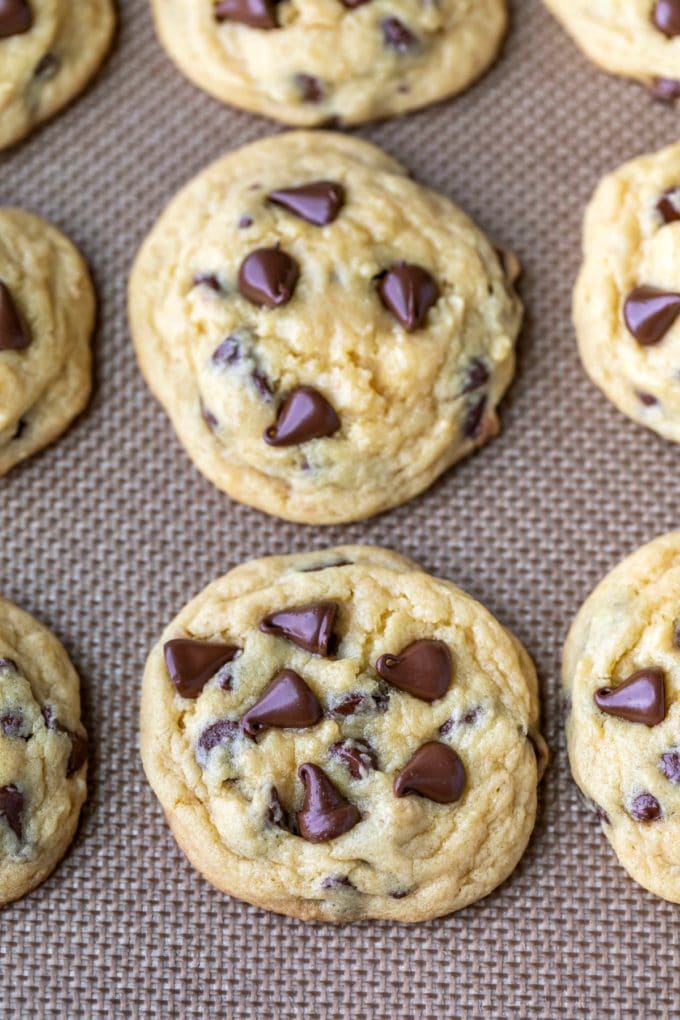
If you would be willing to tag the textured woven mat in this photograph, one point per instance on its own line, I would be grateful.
(106, 535)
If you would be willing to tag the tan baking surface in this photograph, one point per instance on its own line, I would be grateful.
(108, 533)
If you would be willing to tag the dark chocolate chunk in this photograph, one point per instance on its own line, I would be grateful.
(286, 702)
(255, 13)
(192, 663)
(268, 276)
(649, 313)
(670, 766)
(476, 375)
(397, 36)
(639, 699)
(645, 808)
(325, 813)
(357, 755)
(318, 203)
(15, 18)
(304, 415)
(668, 205)
(408, 291)
(666, 17)
(12, 808)
(214, 735)
(310, 627)
(435, 771)
(309, 87)
(13, 334)
(422, 669)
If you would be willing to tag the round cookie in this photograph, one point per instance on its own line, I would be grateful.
(627, 297)
(621, 673)
(308, 62)
(49, 50)
(337, 735)
(638, 39)
(43, 753)
(47, 311)
(326, 335)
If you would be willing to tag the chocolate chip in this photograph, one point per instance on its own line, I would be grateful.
(268, 276)
(397, 36)
(276, 815)
(12, 808)
(648, 399)
(645, 808)
(468, 718)
(13, 724)
(435, 771)
(359, 703)
(245, 222)
(192, 663)
(337, 882)
(476, 375)
(649, 313)
(228, 352)
(304, 415)
(255, 13)
(78, 755)
(666, 17)
(408, 291)
(208, 417)
(15, 18)
(218, 733)
(639, 699)
(310, 627)
(310, 88)
(47, 67)
(357, 755)
(666, 90)
(325, 813)
(670, 766)
(208, 280)
(13, 335)
(318, 203)
(262, 385)
(422, 669)
(668, 205)
(474, 416)
(287, 702)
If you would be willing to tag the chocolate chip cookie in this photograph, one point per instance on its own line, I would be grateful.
(637, 38)
(326, 335)
(49, 50)
(621, 675)
(43, 753)
(627, 297)
(307, 62)
(337, 735)
(47, 310)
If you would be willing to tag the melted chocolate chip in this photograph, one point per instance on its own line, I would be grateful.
(337, 882)
(435, 771)
(15, 18)
(668, 205)
(228, 352)
(639, 699)
(359, 703)
(476, 375)
(422, 669)
(286, 703)
(12, 808)
(13, 724)
(255, 13)
(356, 755)
(474, 417)
(310, 88)
(397, 36)
(408, 291)
(218, 733)
(304, 415)
(666, 90)
(268, 276)
(208, 280)
(645, 808)
(670, 766)
(318, 203)
(325, 813)
(192, 663)
(666, 17)
(78, 755)
(310, 627)
(649, 313)
(13, 335)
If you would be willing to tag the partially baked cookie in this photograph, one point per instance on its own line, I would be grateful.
(47, 310)
(49, 50)
(308, 62)
(627, 298)
(43, 753)
(621, 676)
(337, 735)
(326, 335)
(638, 39)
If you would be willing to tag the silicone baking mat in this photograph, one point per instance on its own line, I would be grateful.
(108, 533)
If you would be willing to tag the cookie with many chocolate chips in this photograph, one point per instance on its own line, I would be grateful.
(621, 674)
(47, 310)
(627, 298)
(43, 753)
(326, 335)
(49, 50)
(366, 746)
(308, 62)
(637, 39)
